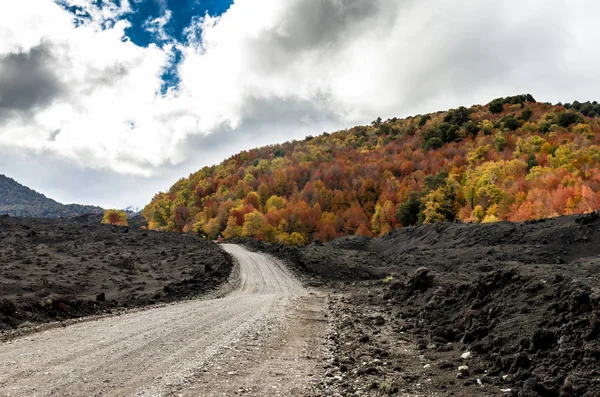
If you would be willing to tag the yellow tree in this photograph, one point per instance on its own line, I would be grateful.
(159, 212)
(114, 217)
(212, 228)
(233, 229)
(441, 204)
(275, 202)
(256, 225)
(263, 192)
(377, 220)
(327, 229)
(389, 213)
(295, 239)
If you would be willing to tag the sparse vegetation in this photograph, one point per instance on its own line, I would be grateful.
(388, 279)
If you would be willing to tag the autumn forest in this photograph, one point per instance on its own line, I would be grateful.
(513, 159)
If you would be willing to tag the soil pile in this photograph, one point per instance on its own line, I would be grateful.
(536, 333)
(497, 309)
(444, 246)
(68, 268)
(526, 306)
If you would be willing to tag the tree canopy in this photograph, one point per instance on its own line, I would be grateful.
(513, 159)
(114, 217)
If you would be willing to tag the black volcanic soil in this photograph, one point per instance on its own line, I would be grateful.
(343, 259)
(68, 268)
(516, 306)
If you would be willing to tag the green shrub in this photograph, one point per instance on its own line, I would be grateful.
(408, 211)
(511, 123)
(497, 106)
(565, 119)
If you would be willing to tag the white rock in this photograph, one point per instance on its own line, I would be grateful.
(466, 355)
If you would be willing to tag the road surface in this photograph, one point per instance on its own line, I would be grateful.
(170, 350)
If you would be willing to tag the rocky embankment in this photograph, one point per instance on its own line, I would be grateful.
(460, 309)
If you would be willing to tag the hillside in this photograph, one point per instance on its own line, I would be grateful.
(19, 200)
(513, 159)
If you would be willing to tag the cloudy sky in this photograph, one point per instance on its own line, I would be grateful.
(109, 101)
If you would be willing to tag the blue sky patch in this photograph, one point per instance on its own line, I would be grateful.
(170, 76)
(182, 13)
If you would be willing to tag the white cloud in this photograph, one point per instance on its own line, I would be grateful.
(157, 25)
(360, 59)
(107, 12)
(271, 70)
(109, 84)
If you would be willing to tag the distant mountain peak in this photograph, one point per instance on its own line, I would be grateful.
(19, 200)
(132, 209)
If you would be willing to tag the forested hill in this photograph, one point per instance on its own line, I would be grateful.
(512, 159)
(19, 200)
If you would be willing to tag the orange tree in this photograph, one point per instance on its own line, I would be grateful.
(114, 217)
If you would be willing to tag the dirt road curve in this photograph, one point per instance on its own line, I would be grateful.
(181, 349)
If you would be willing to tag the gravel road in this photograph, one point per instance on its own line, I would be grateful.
(157, 352)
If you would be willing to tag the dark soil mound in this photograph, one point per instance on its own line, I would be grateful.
(67, 268)
(523, 298)
(443, 246)
(541, 328)
(521, 302)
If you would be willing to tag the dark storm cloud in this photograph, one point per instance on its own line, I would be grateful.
(422, 55)
(485, 55)
(27, 80)
(316, 26)
(313, 24)
(288, 110)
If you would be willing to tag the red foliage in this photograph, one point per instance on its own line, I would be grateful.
(332, 184)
